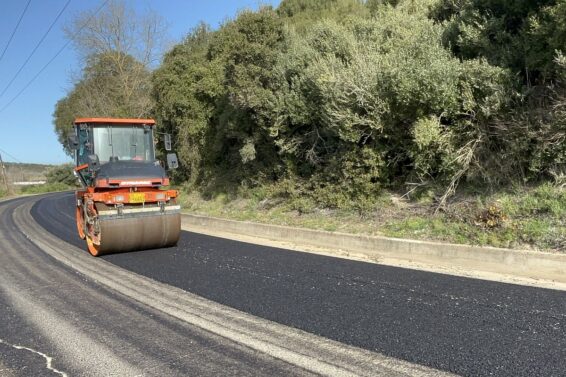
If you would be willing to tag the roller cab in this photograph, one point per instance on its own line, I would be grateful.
(123, 205)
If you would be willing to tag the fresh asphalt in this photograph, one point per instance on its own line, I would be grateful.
(465, 326)
(56, 321)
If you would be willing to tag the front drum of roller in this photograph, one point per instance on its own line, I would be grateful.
(138, 233)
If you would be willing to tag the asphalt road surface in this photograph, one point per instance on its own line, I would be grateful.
(446, 323)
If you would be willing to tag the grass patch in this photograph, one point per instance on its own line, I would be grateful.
(523, 217)
(35, 189)
(45, 188)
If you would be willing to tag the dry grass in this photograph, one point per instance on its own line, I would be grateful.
(523, 218)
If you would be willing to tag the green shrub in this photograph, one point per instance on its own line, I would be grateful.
(62, 174)
(369, 96)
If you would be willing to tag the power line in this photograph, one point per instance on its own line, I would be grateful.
(51, 60)
(11, 156)
(35, 77)
(14, 31)
(36, 47)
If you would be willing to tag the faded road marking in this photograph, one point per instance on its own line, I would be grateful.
(48, 360)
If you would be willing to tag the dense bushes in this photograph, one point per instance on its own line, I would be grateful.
(340, 109)
(528, 38)
(215, 92)
(338, 99)
(61, 174)
(521, 35)
(360, 99)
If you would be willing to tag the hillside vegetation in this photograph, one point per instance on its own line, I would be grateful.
(336, 104)
(25, 172)
(56, 177)
(337, 100)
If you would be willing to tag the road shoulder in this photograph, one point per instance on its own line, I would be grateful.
(529, 268)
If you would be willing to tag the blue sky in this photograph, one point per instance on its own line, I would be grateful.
(26, 128)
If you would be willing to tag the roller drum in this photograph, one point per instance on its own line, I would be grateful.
(139, 233)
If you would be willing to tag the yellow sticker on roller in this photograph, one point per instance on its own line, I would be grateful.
(137, 197)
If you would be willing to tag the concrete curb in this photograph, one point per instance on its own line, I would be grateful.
(525, 264)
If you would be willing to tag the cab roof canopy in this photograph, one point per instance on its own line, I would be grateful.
(116, 121)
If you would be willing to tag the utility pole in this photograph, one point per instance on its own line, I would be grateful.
(3, 171)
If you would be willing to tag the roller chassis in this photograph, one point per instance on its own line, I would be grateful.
(122, 206)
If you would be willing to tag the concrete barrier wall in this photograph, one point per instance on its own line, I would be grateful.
(530, 264)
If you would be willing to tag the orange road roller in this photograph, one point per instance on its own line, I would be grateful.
(123, 204)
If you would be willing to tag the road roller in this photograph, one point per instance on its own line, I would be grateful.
(123, 204)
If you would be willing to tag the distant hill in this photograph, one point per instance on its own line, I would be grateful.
(26, 172)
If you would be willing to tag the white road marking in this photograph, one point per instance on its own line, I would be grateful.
(48, 360)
